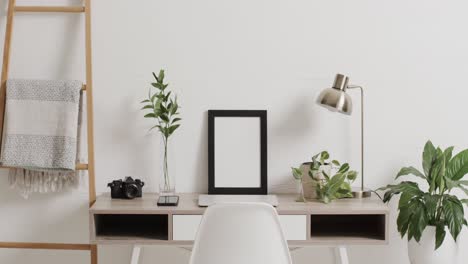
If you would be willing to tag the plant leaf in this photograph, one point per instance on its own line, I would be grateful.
(147, 107)
(175, 120)
(419, 221)
(410, 170)
(344, 168)
(457, 184)
(315, 165)
(458, 166)
(463, 183)
(170, 107)
(164, 131)
(174, 108)
(336, 163)
(173, 128)
(403, 221)
(448, 154)
(345, 187)
(464, 189)
(161, 76)
(324, 156)
(154, 127)
(150, 115)
(453, 214)
(145, 101)
(451, 184)
(154, 97)
(155, 77)
(404, 216)
(167, 95)
(155, 85)
(429, 155)
(164, 116)
(465, 201)
(344, 191)
(430, 202)
(297, 173)
(406, 198)
(352, 175)
(335, 183)
(440, 235)
(314, 158)
(405, 186)
(437, 174)
(163, 109)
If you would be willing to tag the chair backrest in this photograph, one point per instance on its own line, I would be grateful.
(240, 233)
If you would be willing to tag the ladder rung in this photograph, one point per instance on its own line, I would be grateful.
(54, 246)
(63, 9)
(79, 166)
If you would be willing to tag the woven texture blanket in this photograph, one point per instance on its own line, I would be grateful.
(40, 134)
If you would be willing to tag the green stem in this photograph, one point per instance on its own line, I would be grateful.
(167, 183)
(438, 215)
(301, 197)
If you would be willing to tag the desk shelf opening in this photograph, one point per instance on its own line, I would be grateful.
(361, 226)
(131, 226)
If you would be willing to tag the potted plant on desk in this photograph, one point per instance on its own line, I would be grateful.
(163, 107)
(426, 216)
(320, 183)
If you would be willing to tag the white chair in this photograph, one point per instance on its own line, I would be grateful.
(240, 233)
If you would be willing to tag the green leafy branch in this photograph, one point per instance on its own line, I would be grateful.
(162, 106)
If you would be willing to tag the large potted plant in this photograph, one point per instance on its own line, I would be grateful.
(426, 216)
(163, 107)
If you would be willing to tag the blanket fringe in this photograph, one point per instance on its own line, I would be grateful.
(28, 182)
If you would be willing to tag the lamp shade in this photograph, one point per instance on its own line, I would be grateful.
(336, 99)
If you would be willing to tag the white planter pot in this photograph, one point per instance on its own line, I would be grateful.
(424, 253)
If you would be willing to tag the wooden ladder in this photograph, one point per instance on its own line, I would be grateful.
(86, 9)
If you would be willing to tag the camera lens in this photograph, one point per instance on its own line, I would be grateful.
(131, 191)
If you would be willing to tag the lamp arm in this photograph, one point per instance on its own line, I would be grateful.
(362, 131)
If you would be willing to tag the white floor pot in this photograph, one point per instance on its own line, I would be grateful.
(424, 253)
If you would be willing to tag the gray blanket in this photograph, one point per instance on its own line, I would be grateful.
(40, 132)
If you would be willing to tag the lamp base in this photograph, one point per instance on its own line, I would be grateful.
(361, 193)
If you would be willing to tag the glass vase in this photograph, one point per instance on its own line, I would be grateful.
(300, 190)
(167, 177)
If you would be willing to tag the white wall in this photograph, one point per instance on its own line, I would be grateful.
(410, 56)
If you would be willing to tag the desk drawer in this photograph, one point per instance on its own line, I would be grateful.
(294, 226)
(184, 227)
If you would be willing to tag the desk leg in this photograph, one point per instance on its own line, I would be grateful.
(341, 255)
(135, 254)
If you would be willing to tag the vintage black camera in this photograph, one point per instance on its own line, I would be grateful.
(126, 189)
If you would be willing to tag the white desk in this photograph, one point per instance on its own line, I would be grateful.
(142, 222)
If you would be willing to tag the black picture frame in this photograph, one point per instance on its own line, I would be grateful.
(262, 115)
